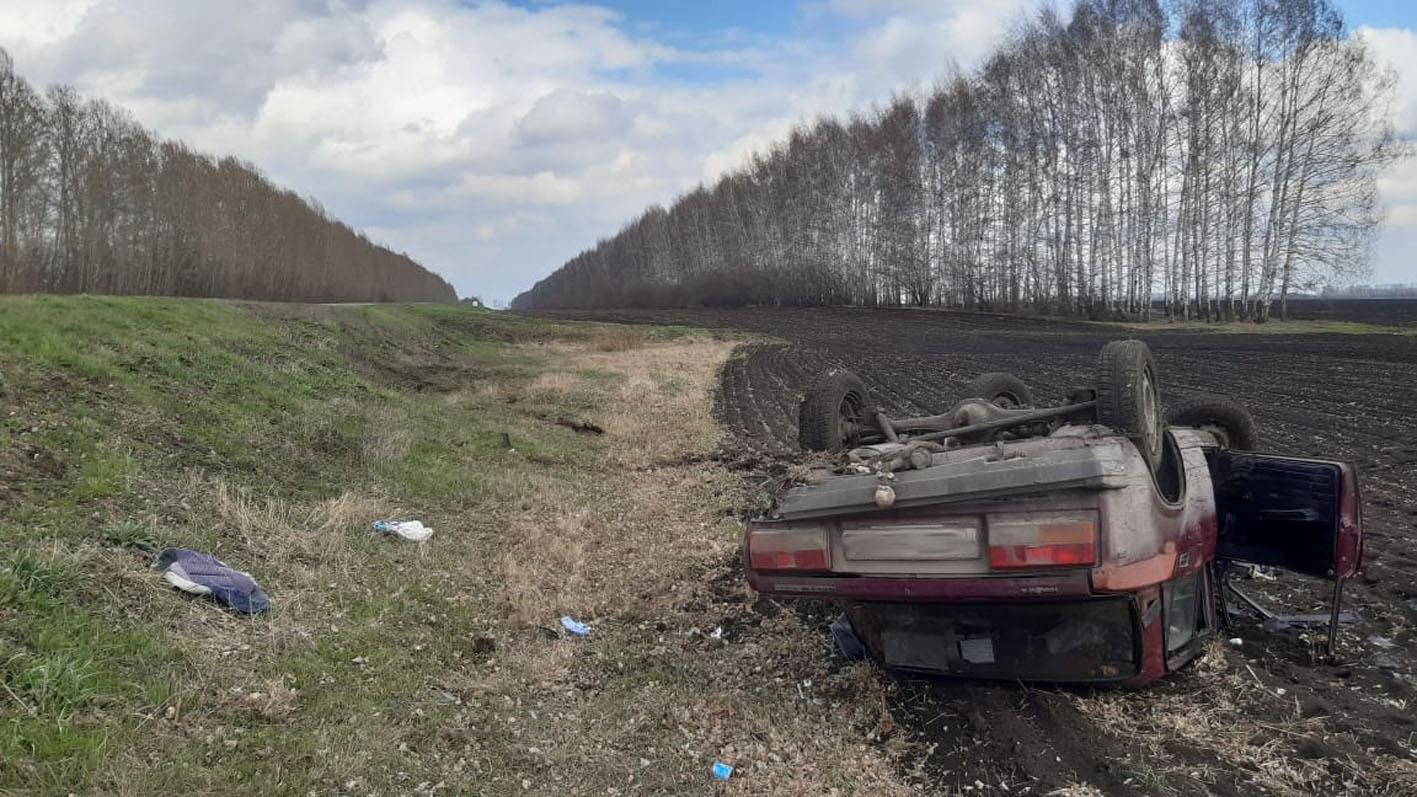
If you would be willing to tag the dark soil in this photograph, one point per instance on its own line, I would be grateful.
(1399, 312)
(1347, 397)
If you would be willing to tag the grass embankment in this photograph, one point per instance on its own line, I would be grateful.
(271, 436)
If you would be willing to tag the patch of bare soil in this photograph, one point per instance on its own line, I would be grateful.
(1266, 716)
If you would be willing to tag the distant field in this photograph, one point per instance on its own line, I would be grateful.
(1397, 312)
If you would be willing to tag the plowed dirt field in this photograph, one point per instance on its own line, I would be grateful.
(1265, 716)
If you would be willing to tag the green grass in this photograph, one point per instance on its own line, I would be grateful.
(270, 436)
(123, 417)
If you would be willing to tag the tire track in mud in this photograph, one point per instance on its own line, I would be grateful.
(1330, 396)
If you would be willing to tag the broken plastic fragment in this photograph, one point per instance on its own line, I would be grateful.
(1384, 662)
(579, 629)
(846, 640)
(722, 771)
(1382, 642)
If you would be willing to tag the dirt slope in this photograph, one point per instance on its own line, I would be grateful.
(1261, 717)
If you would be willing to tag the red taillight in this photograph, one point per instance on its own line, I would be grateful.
(788, 548)
(1042, 540)
(1004, 556)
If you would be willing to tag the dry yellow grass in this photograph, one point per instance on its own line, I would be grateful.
(652, 699)
(1230, 715)
(617, 339)
(276, 530)
(299, 551)
(388, 436)
(658, 515)
(553, 383)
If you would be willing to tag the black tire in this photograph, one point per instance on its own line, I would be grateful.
(1231, 423)
(1128, 398)
(999, 388)
(835, 411)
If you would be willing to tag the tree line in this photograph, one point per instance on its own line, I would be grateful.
(92, 202)
(1216, 154)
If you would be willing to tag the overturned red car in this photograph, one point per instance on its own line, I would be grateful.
(1083, 543)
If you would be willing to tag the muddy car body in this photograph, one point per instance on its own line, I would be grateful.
(1065, 557)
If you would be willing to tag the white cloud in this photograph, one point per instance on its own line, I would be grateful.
(908, 48)
(542, 188)
(1402, 216)
(1396, 48)
(42, 22)
(489, 141)
(565, 114)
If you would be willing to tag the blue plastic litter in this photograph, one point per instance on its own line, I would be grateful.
(722, 771)
(579, 629)
(201, 574)
(408, 529)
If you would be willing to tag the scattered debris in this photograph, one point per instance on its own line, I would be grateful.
(1236, 641)
(579, 629)
(846, 640)
(580, 427)
(408, 529)
(1384, 662)
(722, 771)
(201, 574)
(1382, 642)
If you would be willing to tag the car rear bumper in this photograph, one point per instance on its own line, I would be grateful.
(1072, 584)
(1046, 628)
(1096, 640)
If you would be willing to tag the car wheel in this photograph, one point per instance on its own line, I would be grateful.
(1128, 398)
(836, 410)
(1230, 423)
(1001, 389)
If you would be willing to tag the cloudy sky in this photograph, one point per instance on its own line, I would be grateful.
(493, 140)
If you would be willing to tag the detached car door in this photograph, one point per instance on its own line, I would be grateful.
(1299, 514)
